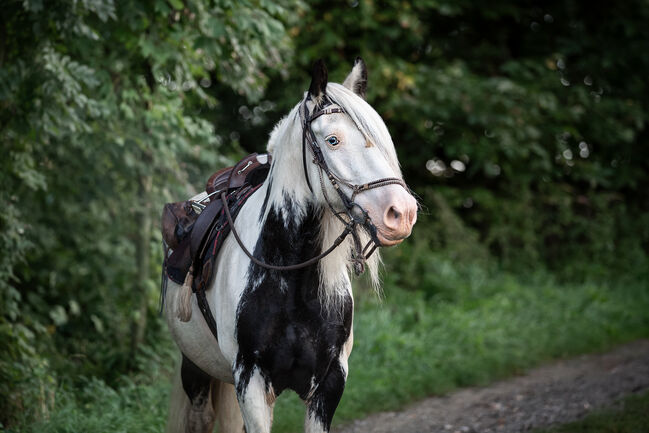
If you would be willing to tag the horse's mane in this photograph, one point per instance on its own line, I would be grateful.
(285, 144)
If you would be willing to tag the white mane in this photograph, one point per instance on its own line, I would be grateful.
(285, 145)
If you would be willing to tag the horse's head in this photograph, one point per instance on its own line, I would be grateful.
(358, 152)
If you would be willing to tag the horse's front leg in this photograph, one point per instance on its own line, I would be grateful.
(256, 399)
(322, 404)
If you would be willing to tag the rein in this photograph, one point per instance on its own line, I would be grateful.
(357, 216)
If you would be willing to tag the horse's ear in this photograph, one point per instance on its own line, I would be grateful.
(318, 80)
(356, 81)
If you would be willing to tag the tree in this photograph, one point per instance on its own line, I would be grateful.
(529, 120)
(100, 124)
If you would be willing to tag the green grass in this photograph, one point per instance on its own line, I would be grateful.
(471, 329)
(138, 404)
(410, 347)
(631, 417)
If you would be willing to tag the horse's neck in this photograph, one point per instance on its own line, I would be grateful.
(295, 228)
(287, 185)
(290, 231)
(301, 226)
(289, 212)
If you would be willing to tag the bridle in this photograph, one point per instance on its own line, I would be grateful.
(356, 215)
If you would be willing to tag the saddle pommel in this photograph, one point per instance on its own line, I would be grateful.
(244, 172)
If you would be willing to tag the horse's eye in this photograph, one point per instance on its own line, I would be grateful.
(332, 140)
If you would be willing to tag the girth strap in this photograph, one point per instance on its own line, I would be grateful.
(204, 306)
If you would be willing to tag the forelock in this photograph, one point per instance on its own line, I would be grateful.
(367, 120)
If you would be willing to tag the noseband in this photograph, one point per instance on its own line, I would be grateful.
(356, 215)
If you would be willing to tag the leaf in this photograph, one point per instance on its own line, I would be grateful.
(177, 4)
(99, 325)
(59, 315)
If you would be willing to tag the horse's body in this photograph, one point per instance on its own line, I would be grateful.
(282, 330)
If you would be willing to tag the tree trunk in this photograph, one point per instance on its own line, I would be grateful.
(143, 256)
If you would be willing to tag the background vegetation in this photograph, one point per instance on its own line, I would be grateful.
(522, 128)
(631, 415)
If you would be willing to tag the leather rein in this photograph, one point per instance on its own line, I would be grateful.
(357, 216)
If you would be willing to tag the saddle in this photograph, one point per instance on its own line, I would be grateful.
(194, 230)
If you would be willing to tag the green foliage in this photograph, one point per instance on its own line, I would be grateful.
(135, 403)
(631, 417)
(522, 128)
(99, 127)
(530, 121)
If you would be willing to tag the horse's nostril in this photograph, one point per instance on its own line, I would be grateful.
(393, 217)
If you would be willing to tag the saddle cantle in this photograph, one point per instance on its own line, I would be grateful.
(194, 230)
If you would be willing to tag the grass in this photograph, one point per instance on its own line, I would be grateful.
(460, 328)
(137, 404)
(411, 346)
(631, 417)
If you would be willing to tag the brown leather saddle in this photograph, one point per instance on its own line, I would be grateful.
(194, 230)
(179, 218)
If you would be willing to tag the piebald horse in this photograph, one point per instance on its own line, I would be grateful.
(333, 164)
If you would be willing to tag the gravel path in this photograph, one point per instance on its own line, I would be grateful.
(557, 393)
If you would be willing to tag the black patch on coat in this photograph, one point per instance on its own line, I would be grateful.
(282, 328)
(196, 382)
(324, 402)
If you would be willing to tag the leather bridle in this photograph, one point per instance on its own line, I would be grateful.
(356, 215)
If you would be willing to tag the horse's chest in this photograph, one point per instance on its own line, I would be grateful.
(288, 336)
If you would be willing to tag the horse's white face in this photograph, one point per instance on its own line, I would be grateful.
(357, 160)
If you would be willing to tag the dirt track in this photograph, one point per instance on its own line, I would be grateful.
(556, 393)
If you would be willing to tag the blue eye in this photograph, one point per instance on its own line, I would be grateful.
(332, 140)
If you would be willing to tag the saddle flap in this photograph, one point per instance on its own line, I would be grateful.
(178, 263)
(204, 222)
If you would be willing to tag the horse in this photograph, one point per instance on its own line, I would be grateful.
(334, 173)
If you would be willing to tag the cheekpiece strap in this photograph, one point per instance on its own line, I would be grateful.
(362, 219)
